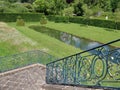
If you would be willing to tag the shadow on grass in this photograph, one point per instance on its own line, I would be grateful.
(111, 30)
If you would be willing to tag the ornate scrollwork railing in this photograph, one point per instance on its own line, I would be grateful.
(99, 69)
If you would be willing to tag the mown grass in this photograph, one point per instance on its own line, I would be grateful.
(46, 43)
(57, 48)
(24, 59)
(102, 35)
(7, 49)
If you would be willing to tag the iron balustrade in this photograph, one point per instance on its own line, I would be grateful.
(100, 69)
(24, 59)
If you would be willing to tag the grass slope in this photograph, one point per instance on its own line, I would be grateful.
(102, 35)
(46, 43)
(11, 41)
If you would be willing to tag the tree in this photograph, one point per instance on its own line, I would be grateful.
(105, 5)
(27, 1)
(78, 9)
(40, 5)
(59, 6)
(68, 11)
(50, 6)
(118, 7)
(69, 1)
(114, 4)
(87, 12)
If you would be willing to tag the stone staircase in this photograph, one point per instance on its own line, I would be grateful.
(30, 78)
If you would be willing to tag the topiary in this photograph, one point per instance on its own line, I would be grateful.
(20, 21)
(43, 20)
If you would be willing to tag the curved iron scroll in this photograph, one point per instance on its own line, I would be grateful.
(99, 69)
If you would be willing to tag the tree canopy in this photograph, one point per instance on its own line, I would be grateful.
(62, 7)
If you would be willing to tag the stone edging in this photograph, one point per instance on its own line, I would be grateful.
(21, 69)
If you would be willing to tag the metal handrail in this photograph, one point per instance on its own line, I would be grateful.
(97, 70)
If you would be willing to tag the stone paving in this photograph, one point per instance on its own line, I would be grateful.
(30, 78)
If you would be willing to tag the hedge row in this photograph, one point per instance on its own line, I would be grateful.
(96, 22)
(58, 19)
(11, 17)
(92, 22)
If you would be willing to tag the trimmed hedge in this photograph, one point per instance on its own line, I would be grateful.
(28, 17)
(91, 22)
(58, 19)
(96, 22)
(12, 17)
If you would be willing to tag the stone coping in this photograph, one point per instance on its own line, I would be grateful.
(21, 69)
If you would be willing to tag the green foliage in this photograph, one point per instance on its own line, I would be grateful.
(59, 6)
(78, 9)
(11, 17)
(49, 6)
(19, 8)
(5, 6)
(87, 12)
(12, 7)
(87, 21)
(114, 4)
(95, 22)
(68, 11)
(29, 7)
(20, 21)
(43, 20)
(40, 5)
(57, 19)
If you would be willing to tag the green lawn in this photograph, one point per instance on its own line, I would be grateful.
(60, 49)
(102, 35)
(99, 34)
(46, 43)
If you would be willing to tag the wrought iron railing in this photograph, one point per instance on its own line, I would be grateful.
(98, 69)
(24, 59)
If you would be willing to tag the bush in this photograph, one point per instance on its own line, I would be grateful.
(7, 7)
(29, 7)
(20, 21)
(43, 20)
(19, 8)
(11, 17)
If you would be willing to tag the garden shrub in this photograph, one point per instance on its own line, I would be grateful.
(19, 8)
(29, 7)
(20, 21)
(43, 20)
